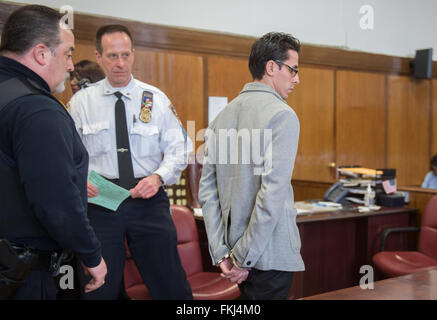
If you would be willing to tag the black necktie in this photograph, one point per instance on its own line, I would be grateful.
(125, 169)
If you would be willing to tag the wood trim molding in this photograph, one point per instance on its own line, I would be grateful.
(354, 60)
(202, 42)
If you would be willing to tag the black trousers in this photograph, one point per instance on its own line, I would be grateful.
(39, 285)
(151, 236)
(266, 285)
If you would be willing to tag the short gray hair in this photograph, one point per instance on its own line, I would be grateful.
(30, 25)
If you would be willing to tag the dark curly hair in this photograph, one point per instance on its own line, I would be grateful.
(86, 69)
(271, 46)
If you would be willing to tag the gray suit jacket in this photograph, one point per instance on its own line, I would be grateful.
(245, 189)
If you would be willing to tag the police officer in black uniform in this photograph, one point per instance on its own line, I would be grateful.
(43, 163)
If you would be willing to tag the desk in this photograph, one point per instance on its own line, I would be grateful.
(415, 286)
(335, 245)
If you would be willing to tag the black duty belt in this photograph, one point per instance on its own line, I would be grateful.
(117, 181)
(16, 262)
(41, 260)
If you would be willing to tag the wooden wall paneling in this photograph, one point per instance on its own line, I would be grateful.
(202, 42)
(360, 119)
(408, 128)
(313, 102)
(227, 76)
(180, 77)
(304, 190)
(345, 59)
(84, 50)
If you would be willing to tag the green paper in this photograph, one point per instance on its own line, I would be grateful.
(110, 195)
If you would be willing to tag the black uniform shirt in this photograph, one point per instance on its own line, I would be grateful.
(39, 134)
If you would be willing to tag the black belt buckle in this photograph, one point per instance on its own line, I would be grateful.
(117, 181)
(54, 263)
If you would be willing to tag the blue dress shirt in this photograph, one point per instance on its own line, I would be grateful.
(430, 181)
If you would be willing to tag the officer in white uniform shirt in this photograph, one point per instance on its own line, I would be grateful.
(158, 147)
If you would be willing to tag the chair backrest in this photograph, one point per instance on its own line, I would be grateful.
(428, 231)
(188, 239)
(188, 247)
(194, 172)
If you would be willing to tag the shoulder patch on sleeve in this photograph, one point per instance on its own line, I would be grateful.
(173, 110)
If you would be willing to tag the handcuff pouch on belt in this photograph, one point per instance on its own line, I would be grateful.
(14, 268)
(17, 262)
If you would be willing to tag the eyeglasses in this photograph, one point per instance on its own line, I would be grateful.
(292, 70)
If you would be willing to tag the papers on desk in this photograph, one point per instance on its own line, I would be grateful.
(369, 208)
(110, 195)
(303, 207)
(329, 204)
(357, 172)
(303, 211)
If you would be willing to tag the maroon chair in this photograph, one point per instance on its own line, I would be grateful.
(398, 263)
(194, 172)
(205, 285)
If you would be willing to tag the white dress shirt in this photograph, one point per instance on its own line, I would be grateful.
(160, 146)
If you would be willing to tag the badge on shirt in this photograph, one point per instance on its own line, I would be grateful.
(146, 107)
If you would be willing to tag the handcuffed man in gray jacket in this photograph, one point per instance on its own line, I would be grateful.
(245, 189)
